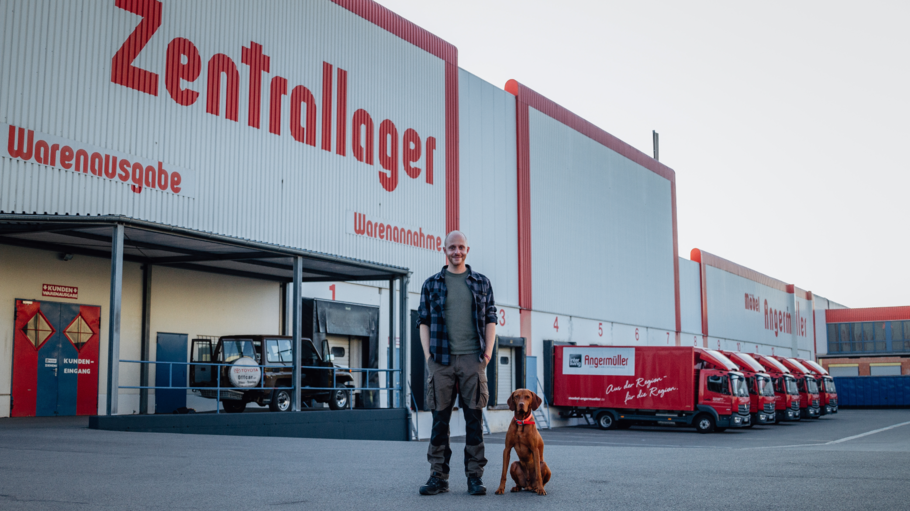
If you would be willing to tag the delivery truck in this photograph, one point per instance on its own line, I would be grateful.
(827, 392)
(787, 405)
(762, 399)
(809, 401)
(621, 386)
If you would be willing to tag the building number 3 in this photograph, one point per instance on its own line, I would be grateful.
(502, 319)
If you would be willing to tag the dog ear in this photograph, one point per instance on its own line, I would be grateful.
(536, 401)
(512, 402)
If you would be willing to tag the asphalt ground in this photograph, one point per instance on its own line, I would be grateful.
(857, 459)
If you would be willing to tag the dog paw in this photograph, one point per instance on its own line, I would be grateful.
(541, 491)
(501, 490)
(516, 488)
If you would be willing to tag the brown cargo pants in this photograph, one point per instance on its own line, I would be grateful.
(466, 374)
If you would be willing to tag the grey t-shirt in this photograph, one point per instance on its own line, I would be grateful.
(462, 333)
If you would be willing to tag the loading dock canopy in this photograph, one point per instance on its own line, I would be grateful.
(145, 242)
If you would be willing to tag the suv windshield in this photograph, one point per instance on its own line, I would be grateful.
(811, 385)
(765, 387)
(232, 349)
(791, 386)
(739, 386)
(829, 386)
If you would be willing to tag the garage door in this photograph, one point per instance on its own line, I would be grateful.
(885, 370)
(506, 384)
(55, 359)
(348, 351)
(834, 370)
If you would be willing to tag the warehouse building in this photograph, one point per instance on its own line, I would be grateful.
(179, 171)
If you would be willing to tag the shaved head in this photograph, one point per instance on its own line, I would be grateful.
(454, 233)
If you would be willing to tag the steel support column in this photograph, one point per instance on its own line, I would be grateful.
(390, 350)
(297, 327)
(146, 335)
(113, 347)
(403, 341)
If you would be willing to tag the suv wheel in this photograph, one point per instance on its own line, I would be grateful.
(339, 399)
(231, 406)
(281, 401)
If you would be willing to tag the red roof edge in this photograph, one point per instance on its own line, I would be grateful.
(395, 24)
(720, 263)
(868, 314)
(547, 106)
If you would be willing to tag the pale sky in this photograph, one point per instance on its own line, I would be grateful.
(786, 122)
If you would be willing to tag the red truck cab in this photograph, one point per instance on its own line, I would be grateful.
(786, 392)
(827, 392)
(621, 386)
(761, 388)
(809, 400)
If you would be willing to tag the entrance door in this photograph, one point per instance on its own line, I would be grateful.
(55, 359)
(348, 351)
(170, 348)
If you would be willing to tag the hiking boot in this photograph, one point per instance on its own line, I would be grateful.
(476, 487)
(435, 485)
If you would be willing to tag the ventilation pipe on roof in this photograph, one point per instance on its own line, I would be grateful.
(655, 139)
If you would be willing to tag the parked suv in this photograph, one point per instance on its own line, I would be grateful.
(241, 381)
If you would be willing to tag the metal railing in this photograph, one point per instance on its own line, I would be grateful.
(395, 390)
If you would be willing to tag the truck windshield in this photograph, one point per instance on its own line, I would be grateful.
(811, 386)
(791, 386)
(829, 386)
(765, 387)
(739, 386)
(232, 349)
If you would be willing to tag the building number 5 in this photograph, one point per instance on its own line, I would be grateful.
(600, 329)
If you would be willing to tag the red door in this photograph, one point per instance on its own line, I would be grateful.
(55, 359)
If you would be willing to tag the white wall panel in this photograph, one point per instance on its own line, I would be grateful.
(509, 324)
(601, 230)
(661, 337)
(729, 318)
(55, 64)
(592, 332)
(689, 296)
(629, 335)
(821, 333)
(488, 183)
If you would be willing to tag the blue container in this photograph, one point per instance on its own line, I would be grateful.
(873, 391)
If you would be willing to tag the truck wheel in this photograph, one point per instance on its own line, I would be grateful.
(605, 420)
(704, 423)
(231, 406)
(339, 399)
(281, 401)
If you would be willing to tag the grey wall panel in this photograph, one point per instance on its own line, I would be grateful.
(488, 183)
(601, 231)
(690, 296)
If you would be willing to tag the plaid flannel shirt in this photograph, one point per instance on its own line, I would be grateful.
(432, 311)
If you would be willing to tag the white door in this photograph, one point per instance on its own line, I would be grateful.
(348, 352)
(506, 384)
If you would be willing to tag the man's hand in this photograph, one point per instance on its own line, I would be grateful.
(425, 341)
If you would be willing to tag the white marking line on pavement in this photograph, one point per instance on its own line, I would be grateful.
(832, 442)
(874, 431)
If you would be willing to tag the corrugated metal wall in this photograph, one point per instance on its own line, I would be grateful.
(728, 317)
(55, 64)
(489, 205)
(601, 230)
(690, 296)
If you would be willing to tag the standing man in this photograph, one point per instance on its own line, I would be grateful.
(457, 321)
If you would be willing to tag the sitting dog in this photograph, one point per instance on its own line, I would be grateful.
(530, 472)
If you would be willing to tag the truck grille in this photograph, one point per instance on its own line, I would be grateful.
(769, 407)
(832, 401)
(815, 402)
(795, 405)
(743, 408)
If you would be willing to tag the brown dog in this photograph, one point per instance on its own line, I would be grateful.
(530, 472)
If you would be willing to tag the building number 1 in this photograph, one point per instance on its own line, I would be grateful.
(332, 289)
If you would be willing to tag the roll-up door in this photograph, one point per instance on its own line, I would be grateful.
(506, 375)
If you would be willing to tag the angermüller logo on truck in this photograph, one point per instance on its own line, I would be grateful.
(599, 361)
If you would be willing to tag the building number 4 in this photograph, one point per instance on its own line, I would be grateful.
(556, 324)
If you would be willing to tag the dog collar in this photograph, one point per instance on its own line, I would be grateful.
(529, 420)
